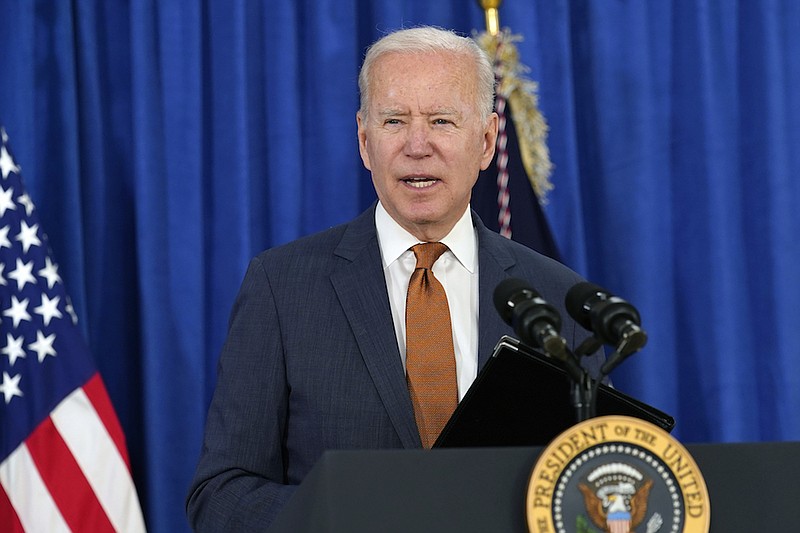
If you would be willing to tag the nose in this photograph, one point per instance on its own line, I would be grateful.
(418, 141)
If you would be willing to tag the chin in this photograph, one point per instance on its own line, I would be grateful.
(424, 216)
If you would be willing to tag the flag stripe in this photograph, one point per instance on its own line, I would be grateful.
(98, 457)
(97, 394)
(63, 478)
(8, 516)
(35, 507)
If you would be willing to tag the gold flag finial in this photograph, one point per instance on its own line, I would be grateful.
(490, 8)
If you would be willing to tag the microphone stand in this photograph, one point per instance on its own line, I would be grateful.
(582, 398)
(581, 391)
(584, 388)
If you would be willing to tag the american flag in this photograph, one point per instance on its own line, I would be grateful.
(63, 461)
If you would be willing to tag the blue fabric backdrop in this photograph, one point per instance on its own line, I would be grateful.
(165, 143)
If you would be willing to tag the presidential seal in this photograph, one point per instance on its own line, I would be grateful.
(616, 474)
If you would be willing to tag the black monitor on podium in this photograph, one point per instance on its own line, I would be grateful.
(522, 398)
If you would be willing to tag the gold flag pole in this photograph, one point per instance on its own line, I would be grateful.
(491, 9)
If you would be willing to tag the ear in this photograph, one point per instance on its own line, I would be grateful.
(489, 140)
(362, 140)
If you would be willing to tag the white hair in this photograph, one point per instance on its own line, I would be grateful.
(427, 39)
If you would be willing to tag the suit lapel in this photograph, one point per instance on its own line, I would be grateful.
(360, 285)
(494, 262)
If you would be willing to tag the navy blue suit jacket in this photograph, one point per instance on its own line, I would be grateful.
(311, 363)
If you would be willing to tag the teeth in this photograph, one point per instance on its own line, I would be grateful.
(421, 183)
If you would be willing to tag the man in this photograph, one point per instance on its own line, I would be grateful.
(316, 353)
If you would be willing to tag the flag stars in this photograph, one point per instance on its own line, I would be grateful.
(18, 310)
(49, 309)
(13, 348)
(71, 311)
(26, 202)
(23, 274)
(6, 201)
(49, 272)
(10, 387)
(43, 346)
(28, 236)
(4, 242)
(7, 164)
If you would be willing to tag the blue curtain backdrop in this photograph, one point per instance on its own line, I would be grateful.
(165, 143)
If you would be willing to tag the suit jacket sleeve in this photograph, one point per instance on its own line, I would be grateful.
(310, 364)
(240, 481)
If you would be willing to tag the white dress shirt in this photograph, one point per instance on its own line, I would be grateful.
(456, 270)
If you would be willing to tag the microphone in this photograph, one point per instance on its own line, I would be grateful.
(533, 319)
(613, 320)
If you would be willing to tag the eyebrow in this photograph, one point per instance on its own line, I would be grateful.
(392, 112)
(395, 112)
(446, 111)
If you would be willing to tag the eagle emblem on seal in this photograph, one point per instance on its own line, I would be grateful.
(615, 496)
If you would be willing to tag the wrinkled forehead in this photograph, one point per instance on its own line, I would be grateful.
(441, 79)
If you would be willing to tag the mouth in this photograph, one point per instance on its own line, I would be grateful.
(420, 182)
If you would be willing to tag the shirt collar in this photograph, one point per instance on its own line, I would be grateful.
(395, 240)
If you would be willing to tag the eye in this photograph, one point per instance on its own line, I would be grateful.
(391, 121)
(442, 122)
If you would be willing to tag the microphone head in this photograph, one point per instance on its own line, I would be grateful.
(579, 301)
(508, 294)
(535, 321)
(610, 318)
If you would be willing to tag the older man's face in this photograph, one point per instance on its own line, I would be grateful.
(423, 139)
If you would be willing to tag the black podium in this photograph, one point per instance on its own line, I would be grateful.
(753, 487)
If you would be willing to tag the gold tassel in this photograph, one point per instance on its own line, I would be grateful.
(522, 97)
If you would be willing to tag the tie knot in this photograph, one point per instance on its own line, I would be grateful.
(427, 253)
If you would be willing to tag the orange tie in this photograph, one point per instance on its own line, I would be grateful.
(430, 359)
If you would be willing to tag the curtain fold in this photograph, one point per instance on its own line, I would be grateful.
(165, 143)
